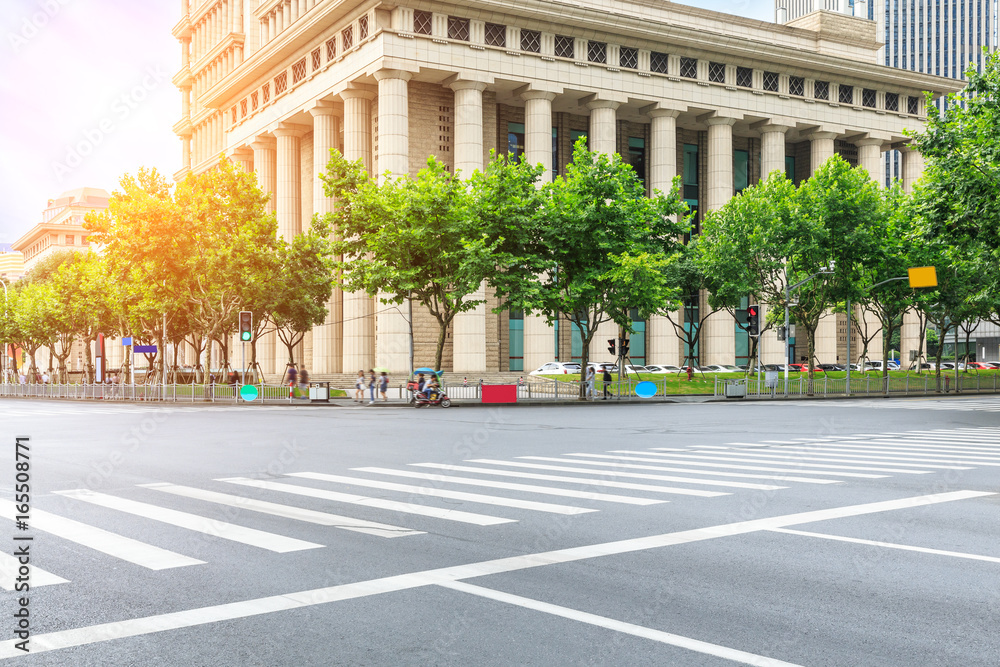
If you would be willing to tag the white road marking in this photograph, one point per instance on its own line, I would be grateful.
(9, 566)
(889, 545)
(199, 524)
(615, 468)
(285, 511)
(706, 464)
(811, 454)
(590, 480)
(112, 544)
(743, 458)
(618, 626)
(443, 493)
(380, 503)
(235, 610)
(899, 454)
(532, 488)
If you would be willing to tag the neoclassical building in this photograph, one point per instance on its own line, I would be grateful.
(717, 99)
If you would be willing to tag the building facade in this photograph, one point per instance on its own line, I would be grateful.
(716, 99)
(61, 227)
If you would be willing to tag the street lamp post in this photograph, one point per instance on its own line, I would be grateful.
(826, 270)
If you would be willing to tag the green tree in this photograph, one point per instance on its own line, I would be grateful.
(593, 248)
(409, 239)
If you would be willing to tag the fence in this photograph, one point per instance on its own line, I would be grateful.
(863, 385)
(171, 393)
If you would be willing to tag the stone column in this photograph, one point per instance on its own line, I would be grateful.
(289, 185)
(469, 328)
(327, 343)
(820, 150)
(913, 167)
(870, 157)
(359, 309)
(603, 126)
(603, 139)
(539, 337)
(909, 339)
(662, 341)
(243, 158)
(718, 339)
(772, 149)
(392, 339)
(393, 122)
(264, 165)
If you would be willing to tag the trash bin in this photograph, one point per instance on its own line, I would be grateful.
(319, 392)
(735, 389)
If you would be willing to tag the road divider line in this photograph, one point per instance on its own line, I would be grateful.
(379, 503)
(106, 542)
(432, 492)
(284, 511)
(52, 641)
(618, 626)
(530, 488)
(888, 545)
(194, 522)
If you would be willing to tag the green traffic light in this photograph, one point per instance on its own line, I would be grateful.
(245, 335)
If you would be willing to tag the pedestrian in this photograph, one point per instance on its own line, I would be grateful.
(591, 377)
(372, 383)
(359, 387)
(383, 386)
(291, 374)
(45, 377)
(606, 378)
(304, 383)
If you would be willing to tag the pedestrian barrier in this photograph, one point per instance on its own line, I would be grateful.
(861, 385)
(171, 393)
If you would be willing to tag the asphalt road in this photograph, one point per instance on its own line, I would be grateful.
(810, 533)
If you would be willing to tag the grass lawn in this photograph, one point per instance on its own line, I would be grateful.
(704, 383)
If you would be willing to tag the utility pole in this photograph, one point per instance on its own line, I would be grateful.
(848, 347)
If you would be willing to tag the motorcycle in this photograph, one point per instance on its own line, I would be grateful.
(436, 397)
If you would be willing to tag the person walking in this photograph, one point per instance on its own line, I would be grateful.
(291, 374)
(372, 383)
(359, 387)
(606, 377)
(304, 383)
(591, 377)
(383, 386)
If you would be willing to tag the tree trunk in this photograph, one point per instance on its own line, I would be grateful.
(812, 358)
(442, 336)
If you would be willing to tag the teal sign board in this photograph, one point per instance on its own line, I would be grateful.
(248, 392)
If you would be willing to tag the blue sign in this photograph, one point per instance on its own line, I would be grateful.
(126, 341)
(144, 349)
(645, 389)
(248, 392)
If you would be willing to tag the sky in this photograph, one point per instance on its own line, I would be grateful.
(86, 96)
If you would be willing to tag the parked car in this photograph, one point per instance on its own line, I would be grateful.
(557, 368)
(993, 364)
(635, 369)
(979, 366)
(830, 367)
(600, 366)
(662, 370)
(732, 368)
(804, 368)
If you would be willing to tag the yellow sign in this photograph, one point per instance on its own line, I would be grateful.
(923, 276)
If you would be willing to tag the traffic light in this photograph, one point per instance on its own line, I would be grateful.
(246, 326)
(611, 346)
(753, 320)
(781, 333)
(623, 346)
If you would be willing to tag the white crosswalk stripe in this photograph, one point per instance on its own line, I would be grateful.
(9, 566)
(112, 544)
(200, 524)
(728, 466)
(958, 404)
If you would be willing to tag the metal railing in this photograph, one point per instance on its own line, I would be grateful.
(171, 393)
(865, 385)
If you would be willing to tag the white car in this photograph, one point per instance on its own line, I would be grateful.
(662, 370)
(636, 369)
(556, 368)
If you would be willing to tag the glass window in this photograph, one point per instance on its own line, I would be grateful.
(637, 156)
(637, 340)
(790, 168)
(741, 170)
(689, 180)
(515, 140)
(70, 239)
(516, 337)
(555, 155)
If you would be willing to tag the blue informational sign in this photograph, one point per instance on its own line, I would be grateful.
(144, 349)
(645, 389)
(248, 392)
(126, 340)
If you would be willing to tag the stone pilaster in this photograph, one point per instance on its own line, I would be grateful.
(288, 197)
(359, 309)
(661, 340)
(772, 149)
(870, 157)
(913, 167)
(820, 150)
(327, 343)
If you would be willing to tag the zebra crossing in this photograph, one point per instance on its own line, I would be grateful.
(423, 496)
(956, 403)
